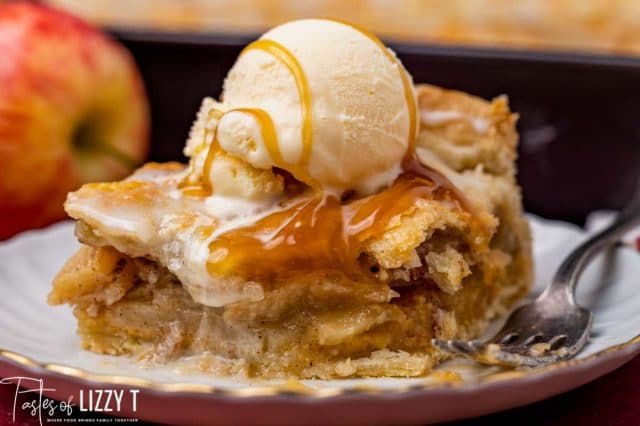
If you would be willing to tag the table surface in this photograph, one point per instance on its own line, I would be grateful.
(610, 400)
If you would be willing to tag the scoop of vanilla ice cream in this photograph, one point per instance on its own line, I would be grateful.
(326, 86)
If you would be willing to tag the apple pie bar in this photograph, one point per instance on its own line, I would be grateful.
(307, 268)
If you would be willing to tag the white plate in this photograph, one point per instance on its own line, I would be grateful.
(39, 341)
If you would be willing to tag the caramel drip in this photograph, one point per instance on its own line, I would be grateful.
(282, 54)
(194, 191)
(269, 137)
(319, 233)
(406, 83)
(214, 149)
(268, 133)
(205, 187)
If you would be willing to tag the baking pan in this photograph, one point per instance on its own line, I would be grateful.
(579, 114)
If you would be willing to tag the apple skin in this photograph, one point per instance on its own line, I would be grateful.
(73, 109)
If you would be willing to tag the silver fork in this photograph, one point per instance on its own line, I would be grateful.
(553, 327)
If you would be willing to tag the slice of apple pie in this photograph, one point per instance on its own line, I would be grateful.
(324, 226)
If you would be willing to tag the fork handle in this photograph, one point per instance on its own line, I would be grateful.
(566, 278)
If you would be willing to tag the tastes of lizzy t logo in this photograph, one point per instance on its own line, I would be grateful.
(34, 403)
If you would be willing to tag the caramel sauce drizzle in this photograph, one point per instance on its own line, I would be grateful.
(319, 232)
(409, 94)
(268, 133)
(269, 137)
(205, 186)
(282, 54)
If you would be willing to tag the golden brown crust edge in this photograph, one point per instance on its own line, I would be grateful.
(475, 131)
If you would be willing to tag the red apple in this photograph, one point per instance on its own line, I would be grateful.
(73, 109)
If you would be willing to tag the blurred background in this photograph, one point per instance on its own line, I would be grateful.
(571, 69)
(591, 25)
